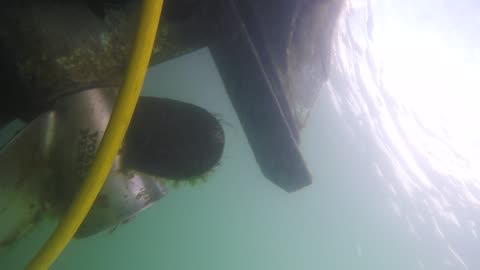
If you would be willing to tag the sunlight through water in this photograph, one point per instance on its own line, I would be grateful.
(405, 73)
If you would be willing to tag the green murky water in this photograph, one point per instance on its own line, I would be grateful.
(360, 212)
(238, 219)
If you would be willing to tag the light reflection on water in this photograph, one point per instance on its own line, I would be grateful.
(406, 73)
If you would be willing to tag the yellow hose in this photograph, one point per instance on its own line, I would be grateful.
(112, 140)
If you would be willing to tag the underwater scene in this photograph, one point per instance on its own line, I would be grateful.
(388, 136)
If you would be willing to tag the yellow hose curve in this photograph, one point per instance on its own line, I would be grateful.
(112, 139)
